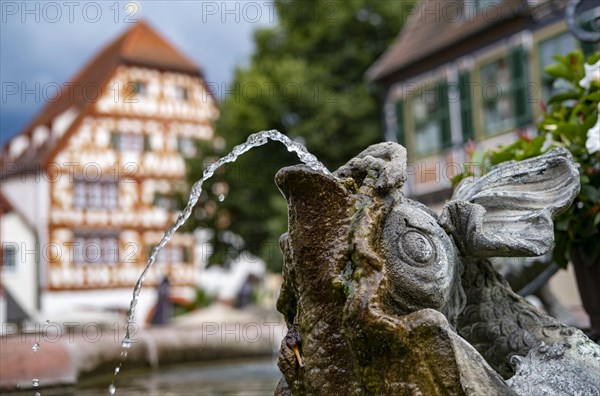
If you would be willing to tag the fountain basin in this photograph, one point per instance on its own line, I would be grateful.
(80, 356)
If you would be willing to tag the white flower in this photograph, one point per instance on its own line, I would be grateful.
(548, 141)
(592, 73)
(592, 144)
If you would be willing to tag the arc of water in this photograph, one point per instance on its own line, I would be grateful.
(254, 140)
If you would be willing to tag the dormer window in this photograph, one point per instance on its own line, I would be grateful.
(181, 93)
(140, 88)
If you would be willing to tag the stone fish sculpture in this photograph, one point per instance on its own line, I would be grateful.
(381, 296)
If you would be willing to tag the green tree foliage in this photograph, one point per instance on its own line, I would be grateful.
(306, 79)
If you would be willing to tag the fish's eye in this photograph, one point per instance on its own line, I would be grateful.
(417, 247)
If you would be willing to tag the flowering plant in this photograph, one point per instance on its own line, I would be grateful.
(571, 121)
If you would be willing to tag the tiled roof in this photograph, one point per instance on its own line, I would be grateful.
(143, 46)
(140, 45)
(435, 25)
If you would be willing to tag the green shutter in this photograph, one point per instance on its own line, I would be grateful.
(466, 110)
(443, 115)
(147, 143)
(518, 68)
(400, 130)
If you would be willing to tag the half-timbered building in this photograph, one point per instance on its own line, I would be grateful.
(95, 171)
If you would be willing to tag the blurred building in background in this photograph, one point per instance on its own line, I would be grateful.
(87, 187)
(469, 70)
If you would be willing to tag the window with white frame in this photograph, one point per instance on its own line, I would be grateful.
(427, 129)
(431, 119)
(95, 192)
(80, 194)
(97, 195)
(506, 92)
(172, 255)
(498, 112)
(110, 195)
(133, 142)
(95, 249)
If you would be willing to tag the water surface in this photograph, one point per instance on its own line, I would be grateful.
(227, 378)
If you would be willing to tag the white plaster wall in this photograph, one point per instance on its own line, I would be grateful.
(225, 284)
(100, 305)
(29, 195)
(26, 194)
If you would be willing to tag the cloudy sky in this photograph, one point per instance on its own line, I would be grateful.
(45, 43)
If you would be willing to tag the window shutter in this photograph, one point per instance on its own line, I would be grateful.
(466, 110)
(518, 68)
(147, 143)
(186, 254)
(444, 114)
(400, 135)
(114, 138)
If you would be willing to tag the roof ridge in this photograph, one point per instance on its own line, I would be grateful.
(139, 45)
(131, 49)
(427, 29)
(130, 37)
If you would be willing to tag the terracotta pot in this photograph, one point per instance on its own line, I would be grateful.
(588, 282)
